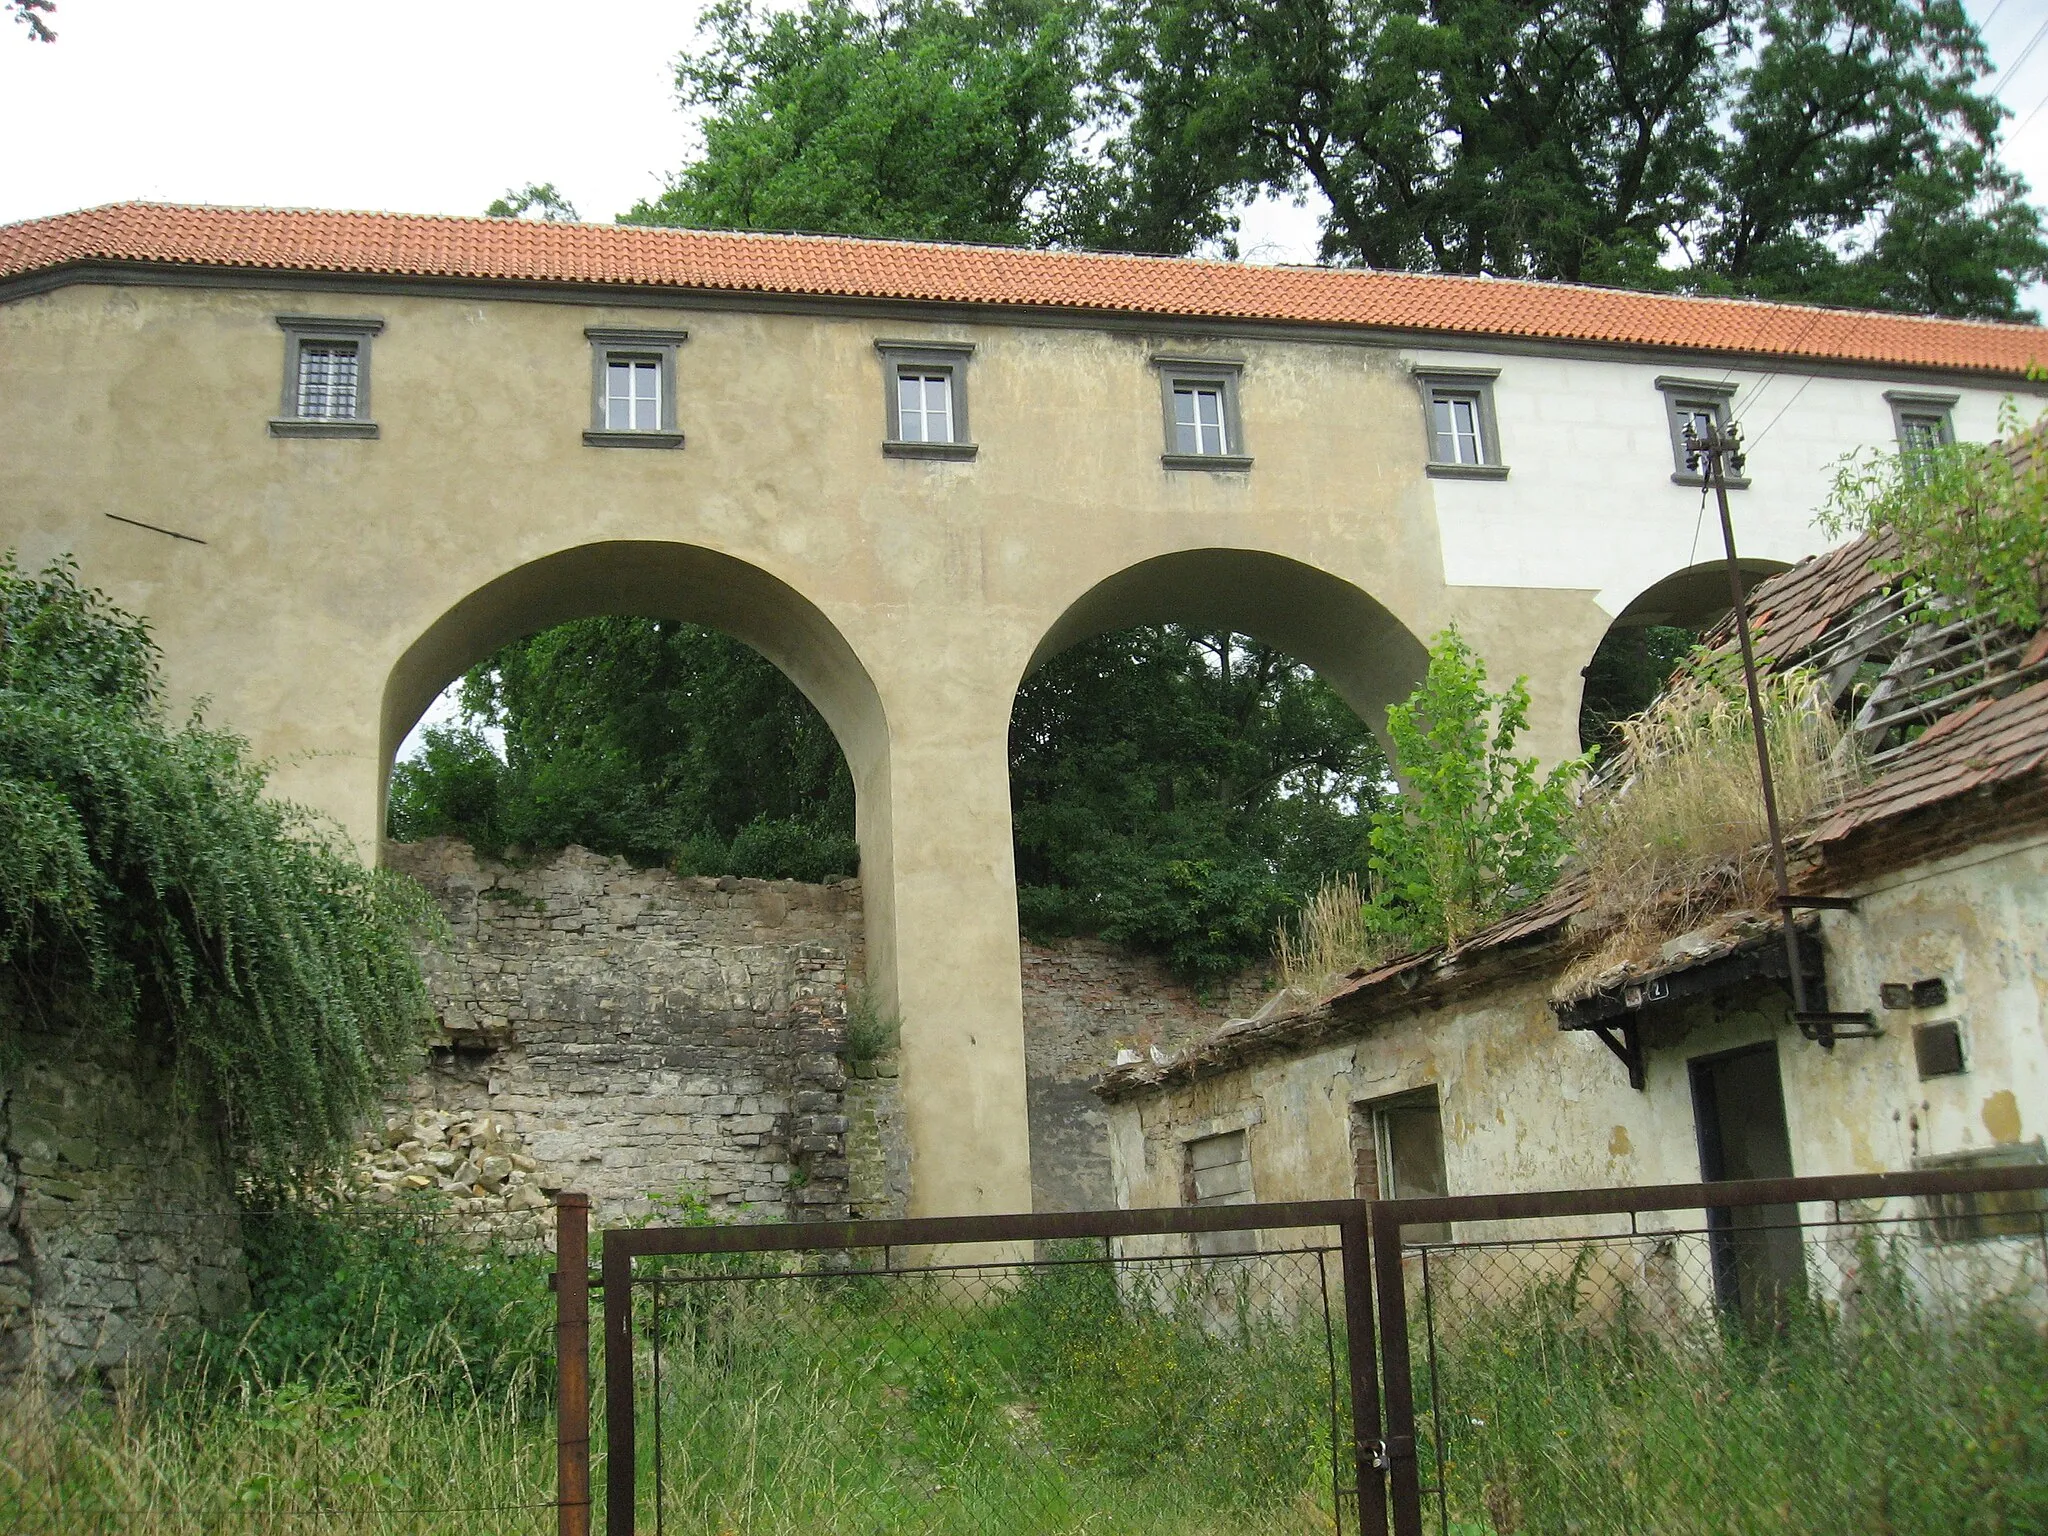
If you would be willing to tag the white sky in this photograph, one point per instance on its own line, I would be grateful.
(438, 106)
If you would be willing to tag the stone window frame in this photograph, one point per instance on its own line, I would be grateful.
(948, 357)
(1921, 404)
(1476, 385)
(1175, 370)
(607, 342)
(1679, 393)
(354, 330)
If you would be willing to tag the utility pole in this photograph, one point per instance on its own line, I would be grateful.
(1714, 455)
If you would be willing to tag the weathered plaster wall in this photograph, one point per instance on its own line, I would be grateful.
(641, 1033)
(340, 584)
(1528, 1107)
(118, 1223)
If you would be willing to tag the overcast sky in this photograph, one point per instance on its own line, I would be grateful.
(438, 106)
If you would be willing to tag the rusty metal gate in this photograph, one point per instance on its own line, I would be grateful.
(1297, 1367)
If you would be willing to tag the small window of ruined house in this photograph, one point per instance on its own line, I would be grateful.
(1397, 1150)
(1219, 1172)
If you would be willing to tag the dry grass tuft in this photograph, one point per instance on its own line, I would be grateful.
(1680, 836)
(1326, 940)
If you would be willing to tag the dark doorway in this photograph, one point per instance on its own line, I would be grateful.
(1738, 1108)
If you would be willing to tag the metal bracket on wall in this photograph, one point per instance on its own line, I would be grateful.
(1827, 1028)
(1626, 1041)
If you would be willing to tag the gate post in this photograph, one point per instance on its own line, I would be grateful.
(1404, 1486)
(1365, 1387)
(572, 1364)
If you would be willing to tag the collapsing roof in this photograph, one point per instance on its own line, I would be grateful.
(1979, 770)
(137, 239)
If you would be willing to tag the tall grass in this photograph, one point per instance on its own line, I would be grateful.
(1680, 834)
(1069, 1401)
(1893, 1416)
(1326, 940)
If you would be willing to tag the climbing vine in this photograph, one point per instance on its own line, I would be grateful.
(150, 890)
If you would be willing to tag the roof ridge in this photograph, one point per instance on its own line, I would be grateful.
(1083, 254)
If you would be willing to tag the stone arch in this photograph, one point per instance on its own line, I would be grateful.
(1351, 640)
(657, 579)
(1692, 598)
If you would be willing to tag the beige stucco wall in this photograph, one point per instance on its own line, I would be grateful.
(1528, 1107)
(341, 583)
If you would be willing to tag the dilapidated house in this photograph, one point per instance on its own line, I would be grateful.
(1516, 1061)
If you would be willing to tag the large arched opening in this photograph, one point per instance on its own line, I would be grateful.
(1193, 752)
(1651, 636)
(644, 1035)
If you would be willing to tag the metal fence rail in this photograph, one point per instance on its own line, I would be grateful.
(1301, 1367)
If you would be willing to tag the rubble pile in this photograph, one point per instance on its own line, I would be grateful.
(477, 1164)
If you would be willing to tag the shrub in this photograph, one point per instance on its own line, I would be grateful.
(1971, 518)
(149, 887)
(1474, 833)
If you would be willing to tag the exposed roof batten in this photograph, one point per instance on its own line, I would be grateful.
(404, 246)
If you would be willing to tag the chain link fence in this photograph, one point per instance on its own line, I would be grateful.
(1074, 1389)
(1878, 1366)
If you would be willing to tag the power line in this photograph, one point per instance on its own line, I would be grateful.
(2034, 42)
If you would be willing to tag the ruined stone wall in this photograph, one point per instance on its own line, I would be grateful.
(1082, 999)
(632, 1032)
(117, 1217)
(636, 1033)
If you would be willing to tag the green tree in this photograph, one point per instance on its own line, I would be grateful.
(1627, 672)
(535, 200)
(1475, 832)
(934, 119)
(1177, 790)
(150, 890)
(659, 741)
(1837, 150)
(32, 14)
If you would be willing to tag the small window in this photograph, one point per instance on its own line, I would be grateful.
(1983, 1215)
(1219, 1172)
(633, 388)
(1921, 421)
(1464, 443)
(326, 377)
(925, 399)
(1203, 429)
(1397, 1150)
(632, 396)
(1705, 408)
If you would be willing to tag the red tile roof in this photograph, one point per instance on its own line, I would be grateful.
(514, 251)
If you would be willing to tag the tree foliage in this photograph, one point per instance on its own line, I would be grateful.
(35, 14)
(655, 740)
(1178, 791)
(149, 888)
(1174, 790)
(1971, 518)
(1841, 151)
(919, 118)
(1475, 832)
(536, 200)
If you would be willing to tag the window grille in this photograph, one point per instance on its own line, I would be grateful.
(632, 401)
(329, 372)
(1198, 419)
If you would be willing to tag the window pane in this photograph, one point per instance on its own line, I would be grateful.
(938, 409)
(909, 408)
(1186, 439)
(327, 379)
(647, 396)
(1445, 450)
(618, 397)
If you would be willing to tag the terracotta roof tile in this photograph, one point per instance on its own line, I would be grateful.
(1992, 742)
(511, 250)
